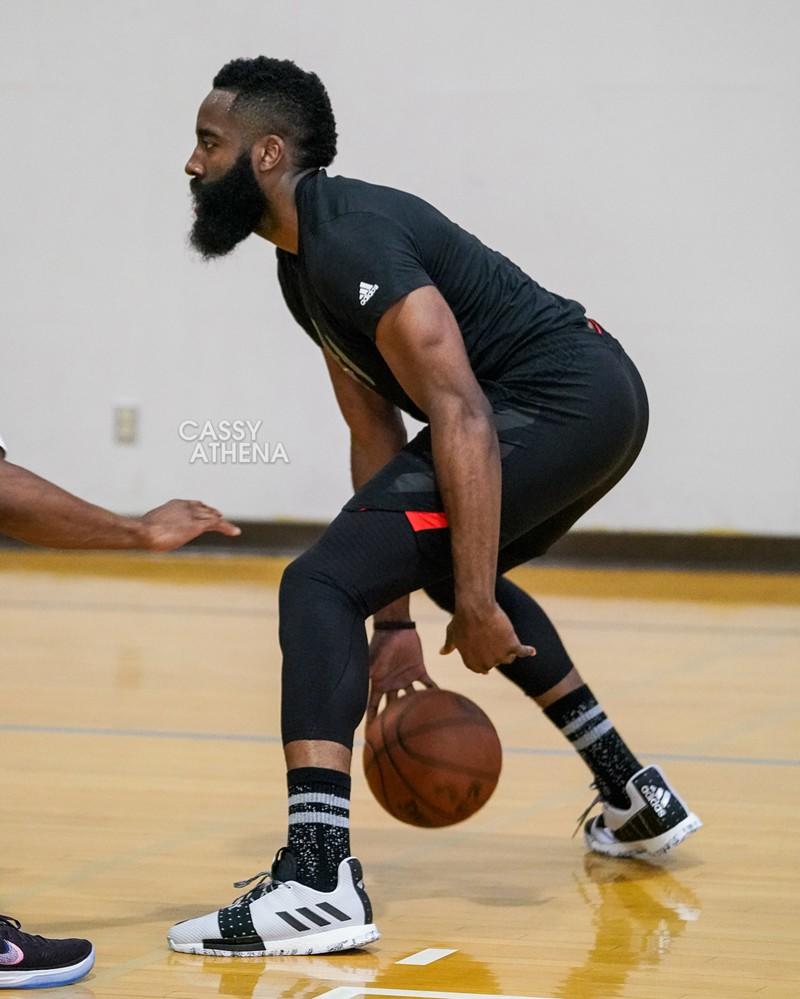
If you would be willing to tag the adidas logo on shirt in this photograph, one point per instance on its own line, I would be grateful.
(366, 291)
(658, 799)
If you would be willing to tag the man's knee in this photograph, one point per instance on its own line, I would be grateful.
(313, 579)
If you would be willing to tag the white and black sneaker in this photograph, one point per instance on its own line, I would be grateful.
(656, 821)
(281, 916)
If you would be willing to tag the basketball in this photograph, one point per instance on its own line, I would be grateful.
(432, 758)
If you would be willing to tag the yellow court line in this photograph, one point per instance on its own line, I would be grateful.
(220, 568)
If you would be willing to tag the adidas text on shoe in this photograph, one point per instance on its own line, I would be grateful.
(656, 821)
(281, 916)
(34, 962)
(366, 291)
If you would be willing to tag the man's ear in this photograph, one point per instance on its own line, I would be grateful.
(267, 153)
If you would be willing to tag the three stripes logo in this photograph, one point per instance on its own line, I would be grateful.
(313, 917)
(366, 291)
(658, 798)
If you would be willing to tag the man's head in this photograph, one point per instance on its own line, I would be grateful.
(265, 120)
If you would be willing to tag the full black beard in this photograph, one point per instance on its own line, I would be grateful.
(228, 209)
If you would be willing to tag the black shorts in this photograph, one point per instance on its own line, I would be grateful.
(569, 425)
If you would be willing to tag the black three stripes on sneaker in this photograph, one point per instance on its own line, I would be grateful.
(313, 917)
(239, 933)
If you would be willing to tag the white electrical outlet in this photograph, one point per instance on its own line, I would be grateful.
(126, 424)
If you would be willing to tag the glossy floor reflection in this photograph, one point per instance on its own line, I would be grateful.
(143, 775)
(638, 911)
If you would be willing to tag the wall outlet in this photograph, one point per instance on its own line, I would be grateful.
(126, 424)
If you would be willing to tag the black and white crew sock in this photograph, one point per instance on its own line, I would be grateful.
(319, 824)
(583, 722)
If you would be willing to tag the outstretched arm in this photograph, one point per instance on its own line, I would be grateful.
(40, 513)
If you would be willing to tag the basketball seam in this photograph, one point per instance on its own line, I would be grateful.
(421, 758)
(387, 745)
(403, 779)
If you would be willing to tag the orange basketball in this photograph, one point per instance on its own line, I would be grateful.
(432, 758)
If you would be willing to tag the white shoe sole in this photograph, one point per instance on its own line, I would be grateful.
(347, 938)
(47, 977)
(656, 846)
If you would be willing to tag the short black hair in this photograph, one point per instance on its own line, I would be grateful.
(279, 96)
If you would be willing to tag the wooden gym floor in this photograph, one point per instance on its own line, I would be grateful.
(142, 774)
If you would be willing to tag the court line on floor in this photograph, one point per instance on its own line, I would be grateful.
(427, 956)
(268, 612)
(351, 992)
(140, 733)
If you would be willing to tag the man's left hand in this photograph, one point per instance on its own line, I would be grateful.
(484, 640)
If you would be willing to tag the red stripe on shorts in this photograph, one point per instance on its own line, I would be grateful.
(420, 520)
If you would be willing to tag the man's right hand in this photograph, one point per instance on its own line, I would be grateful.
(173, 524)
(395, 662)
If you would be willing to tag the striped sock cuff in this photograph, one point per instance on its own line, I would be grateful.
(580, 718)
(590, 732)
(319, 808)
(319, 797)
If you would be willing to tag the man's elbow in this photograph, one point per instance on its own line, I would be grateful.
(461, 407)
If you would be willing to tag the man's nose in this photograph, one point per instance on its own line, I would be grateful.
(193, 167)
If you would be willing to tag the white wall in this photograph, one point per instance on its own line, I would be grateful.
(639, 156)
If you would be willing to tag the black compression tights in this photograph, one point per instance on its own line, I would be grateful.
(560, 460)
(328, 592)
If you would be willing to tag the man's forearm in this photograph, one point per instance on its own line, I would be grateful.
(370, 453)
(40, 513)
(466, 458)
(367, 457)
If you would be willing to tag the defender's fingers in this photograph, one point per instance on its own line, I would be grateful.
(225, 527)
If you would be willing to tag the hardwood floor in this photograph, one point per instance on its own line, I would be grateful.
(143, 774)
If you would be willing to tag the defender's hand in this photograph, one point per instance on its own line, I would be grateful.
(395, 662)
(173, 524)
(484, 640)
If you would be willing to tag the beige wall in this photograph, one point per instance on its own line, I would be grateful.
(641, 157)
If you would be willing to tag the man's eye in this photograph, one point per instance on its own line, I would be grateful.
(208, 144)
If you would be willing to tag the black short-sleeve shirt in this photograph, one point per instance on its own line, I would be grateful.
(363, 247)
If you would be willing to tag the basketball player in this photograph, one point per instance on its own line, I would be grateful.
(534, 412)
(34, 510)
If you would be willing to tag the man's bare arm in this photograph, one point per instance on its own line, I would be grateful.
(422, 344)
(41, 513)
(377, 433)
